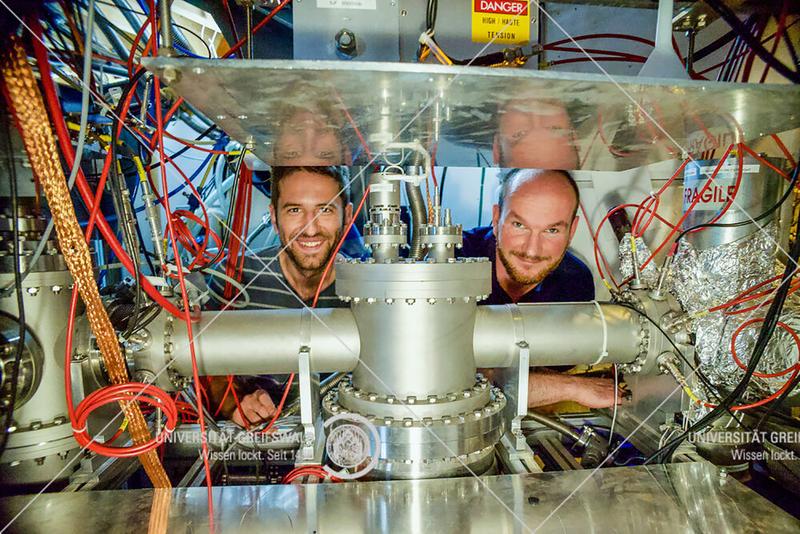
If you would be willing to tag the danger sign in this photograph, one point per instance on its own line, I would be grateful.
(501, 21)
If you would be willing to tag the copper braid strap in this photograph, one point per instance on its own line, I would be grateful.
(33, 123)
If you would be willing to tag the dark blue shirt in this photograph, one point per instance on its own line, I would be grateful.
(571, 281)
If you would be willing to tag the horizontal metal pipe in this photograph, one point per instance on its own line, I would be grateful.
(557, 333)
(251, 342)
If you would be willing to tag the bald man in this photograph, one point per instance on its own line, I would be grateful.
(532, 225)
(534, 133)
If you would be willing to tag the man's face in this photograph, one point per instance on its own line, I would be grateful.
(535, 135)
(307, 220)
(534, 228)
(307, 139)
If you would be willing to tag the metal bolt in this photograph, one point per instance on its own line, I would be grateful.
(33, 291)
(410, 301)
(56, 289)
(390, 399)
(407, 421)
(169, 75)
(389, 301)
(370, 300)
(36, 425)
(373, 397)
(199, 70)
(431, 301)
(432, 399)
(242, 117)
(221, 117)
(411, 400)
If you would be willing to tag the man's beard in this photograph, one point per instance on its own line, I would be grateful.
(522, 278)
(309, 262)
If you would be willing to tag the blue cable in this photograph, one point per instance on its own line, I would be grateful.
(183, 185)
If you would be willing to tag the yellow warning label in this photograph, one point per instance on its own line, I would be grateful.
(501, 21)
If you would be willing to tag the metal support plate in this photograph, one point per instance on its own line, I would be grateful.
(690, 497)
(296, 112)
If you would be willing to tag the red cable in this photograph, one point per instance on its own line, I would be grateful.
(604, 36)
(690, 208)
(758, 157)
(85, 191)
(778, 36)
(765, 41)
(757, 374)
(339, 246)
(592, 59)
(785, 150)
(185, 300)
(606, 53)
(279, 408)
(257, 27)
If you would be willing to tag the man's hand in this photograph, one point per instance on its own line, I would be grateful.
(547, 387)
(257, 408)
(596, 392)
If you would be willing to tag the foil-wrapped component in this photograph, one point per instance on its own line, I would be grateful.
(702, 279)
(714, 333)
(649, 275)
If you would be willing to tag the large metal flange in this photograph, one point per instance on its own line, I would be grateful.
(433, 406)
(420, 281)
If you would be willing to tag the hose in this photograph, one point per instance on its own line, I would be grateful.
(419, 216)
(34, 125)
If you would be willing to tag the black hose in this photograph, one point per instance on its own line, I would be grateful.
(12, 172)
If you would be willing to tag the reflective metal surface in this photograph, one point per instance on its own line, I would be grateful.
(312, 112)
(688, 497)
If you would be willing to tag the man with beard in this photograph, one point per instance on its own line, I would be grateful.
(532, 226)
(309, 211)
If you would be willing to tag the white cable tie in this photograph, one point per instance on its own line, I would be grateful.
(604, 352)
(81, 430)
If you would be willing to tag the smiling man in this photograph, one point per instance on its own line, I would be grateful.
(309, 211)
(532, 225)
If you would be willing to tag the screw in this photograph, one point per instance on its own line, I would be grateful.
(56, 289)
(33, 291)
(169, 75)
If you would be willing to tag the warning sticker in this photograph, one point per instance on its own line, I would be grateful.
(501, 21)
(719, 193)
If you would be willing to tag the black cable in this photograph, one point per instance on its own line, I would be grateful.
(764, 336)
(12, 172)
(187, 147)
(712, 389)
(441, 185)
(123, 201)
(754, 44)
(763, 215)
(228, 218)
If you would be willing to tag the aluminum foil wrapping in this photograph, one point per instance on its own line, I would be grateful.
(703, 279)
(649, 275)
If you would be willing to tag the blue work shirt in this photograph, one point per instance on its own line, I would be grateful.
(571, 281)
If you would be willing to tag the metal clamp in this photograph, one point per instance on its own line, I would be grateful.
(309, 395)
